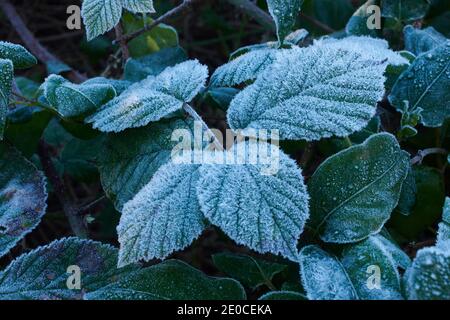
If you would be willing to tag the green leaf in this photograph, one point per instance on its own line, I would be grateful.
(100, 16)
(427, 209)
(76, 100)
(42, 274)
(160, 37)
(153, 64)
(404, 10)
(251, 272)
(284, 13)
(357, 25)
(139, 6)
(19, 56)
(311, 93)
(222, 97)
(408, 194)
(323, 276)
(163, 217)
(282, 295)
(244, 68)
(354, 192)
(244, 200)
(170, 280)
(361, 262)
(27, 87)
(152, 99)
(6, 80)
(128, 161)
(419, 41)
(428, 278)
(57, 67)
(429, 75)
(444, 226)
(22, 197)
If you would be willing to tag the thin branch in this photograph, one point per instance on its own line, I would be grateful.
(91, 205)
(424, 153)
(31, 42)
(205, 127)
(122, 43)
(169, 14)
(250, 8)
(75, 220)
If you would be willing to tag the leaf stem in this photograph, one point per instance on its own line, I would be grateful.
(424, 153)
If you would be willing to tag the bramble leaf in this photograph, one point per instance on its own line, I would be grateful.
(170, 280)
(419, 41)
(76, 100)
(42, 274)
(244, 68)
(23, 197)
(152, 99)
(311, 93)
(424, 85)
(428, 278)
(6, 80)
(246, 204)
(404, 10)
(354, 192)
(128, 161)
(250, 271)
(139, 6)
(19, 56)
(163, 217)
(100, 16)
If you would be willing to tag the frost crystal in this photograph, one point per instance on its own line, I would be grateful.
(246, 205)
(152, 99)
(163, 217)
(311, 93)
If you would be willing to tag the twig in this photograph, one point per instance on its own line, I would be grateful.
(169, 14)
(122, 43)
(197, 117)
(250, 8)
(75, 220)
(90, 205)
(424, 153)
(31, 42)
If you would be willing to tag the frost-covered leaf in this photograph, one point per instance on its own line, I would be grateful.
(163, 217)
(354, 192)
(251, 272)
(311, 93)
(6, 80)
(22, 197)
(282, 295)
(425, 86)
(119, 85)
(19, 56)
(284, 13)
(444, 226)
(152, 99)
(419, 41)
(127, 161)
(57, 67)
(371, 48)
(76, 100)
(42, 273)
(357, 24)
(296, 37)
(404, 10)
(244, 68)
(245, 201)
(400, 258)
(364, 260)
(139, 6)
(428, 278)
(100, 16)
(170, 280)
(324, 277)
(408, 194)
(153, 64)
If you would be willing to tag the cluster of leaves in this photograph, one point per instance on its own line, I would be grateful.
(327, 94)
